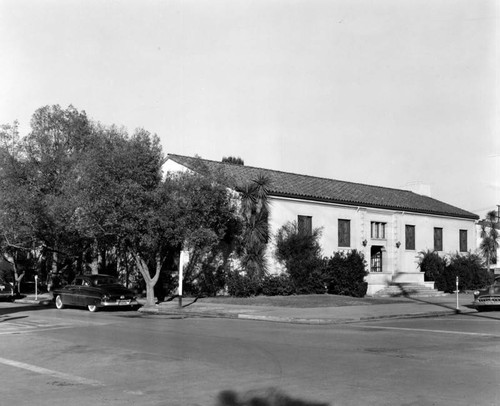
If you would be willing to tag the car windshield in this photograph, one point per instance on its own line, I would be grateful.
(104, 280)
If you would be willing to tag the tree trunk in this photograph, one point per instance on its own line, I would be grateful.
(17, 277)
(150, 281)
(54, 262)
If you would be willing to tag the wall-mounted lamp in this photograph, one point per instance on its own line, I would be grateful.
(398, 244)
(364, 242)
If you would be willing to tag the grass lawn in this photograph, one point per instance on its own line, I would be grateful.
(301, 301)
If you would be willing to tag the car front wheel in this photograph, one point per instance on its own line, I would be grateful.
(59, 302)
(92, 308)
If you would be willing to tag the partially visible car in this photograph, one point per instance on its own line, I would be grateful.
(488, 298)
(94, 292)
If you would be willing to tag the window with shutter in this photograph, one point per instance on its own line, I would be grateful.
(305, 225)
(344, 233)
(409, 237)
(438, 239)
(463, 240)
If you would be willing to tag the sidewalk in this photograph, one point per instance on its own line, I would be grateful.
(401, 308)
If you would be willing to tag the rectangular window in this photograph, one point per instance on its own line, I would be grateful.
(463, 240)
(409, 237)
(344, 233)
(378, 230)
(305, 225)
(438, 239)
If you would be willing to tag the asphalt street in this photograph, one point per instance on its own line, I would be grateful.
(71, 356)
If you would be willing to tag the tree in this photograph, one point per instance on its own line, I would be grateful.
(73, 191)
(52, 150)
(489, 234)
(15, 223)
(255, 214)
(186, 211)
(233, 160)
(117, 166)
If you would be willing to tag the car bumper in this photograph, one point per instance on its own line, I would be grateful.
(487, 301)
(121, 302)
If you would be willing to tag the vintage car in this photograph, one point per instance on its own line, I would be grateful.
(94, 292)
(488, 298)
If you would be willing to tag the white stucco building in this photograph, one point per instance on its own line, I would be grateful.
(390, 226)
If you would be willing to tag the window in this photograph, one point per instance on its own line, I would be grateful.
(344, 233)
(463, 240)
(409, 237)
(305, 225)
(378, 230)
(438, 239)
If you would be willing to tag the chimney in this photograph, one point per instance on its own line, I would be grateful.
(420, 188)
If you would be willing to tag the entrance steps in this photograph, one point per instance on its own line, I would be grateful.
(408, 289)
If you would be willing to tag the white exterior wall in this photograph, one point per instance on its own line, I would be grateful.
(399, 264)
(172, 166)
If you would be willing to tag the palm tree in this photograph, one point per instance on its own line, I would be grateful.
(255, 213)
(489, 234)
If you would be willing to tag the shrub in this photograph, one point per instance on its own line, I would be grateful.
(470, 271)
(278, 285)
(242, 285)
(432, 265)
(468, 267)
(301, 255)
(344, 274)
(210, 280)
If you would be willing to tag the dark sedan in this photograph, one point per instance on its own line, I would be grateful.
(488, 298)
(94, 292)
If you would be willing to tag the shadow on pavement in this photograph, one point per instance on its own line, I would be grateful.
(407, 294)
(13, 318)
(266, 397)
(17, 308)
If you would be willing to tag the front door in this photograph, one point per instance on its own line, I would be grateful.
(376, 259)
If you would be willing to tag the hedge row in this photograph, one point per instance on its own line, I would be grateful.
(341, 274)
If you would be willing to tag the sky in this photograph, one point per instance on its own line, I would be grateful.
(385, 92)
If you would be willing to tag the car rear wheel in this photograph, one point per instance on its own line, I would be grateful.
(59, 302)
(92, 308)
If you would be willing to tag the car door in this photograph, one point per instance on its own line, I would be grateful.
(86, 292)
(71, 293)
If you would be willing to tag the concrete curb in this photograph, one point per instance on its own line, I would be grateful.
(41, 302)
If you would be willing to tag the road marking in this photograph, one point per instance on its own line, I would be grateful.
(27, 326)
(22, 326)
(49, 372)
(429, 331)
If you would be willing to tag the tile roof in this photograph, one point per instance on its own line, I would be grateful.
(312, 188)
